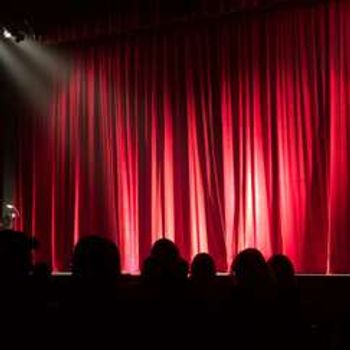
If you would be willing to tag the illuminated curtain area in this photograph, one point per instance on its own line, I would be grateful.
(221, 135)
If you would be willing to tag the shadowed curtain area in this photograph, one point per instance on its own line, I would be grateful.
(221, 134)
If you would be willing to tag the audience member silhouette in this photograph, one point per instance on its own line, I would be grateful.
(96, 271)
(96, 258)
(203, 269)
(16, 254)
(206, 302)
(94, 299)
(290, 323)
(282, 270)
(254, 300)
(18, 308)
(165, 265)
(264, 309)
(250, 270)
(165, 294)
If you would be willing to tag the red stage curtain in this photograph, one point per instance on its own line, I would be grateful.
(221, 135)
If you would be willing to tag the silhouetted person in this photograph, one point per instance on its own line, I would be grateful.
(250, 270)
(15, 254)
(206, 302)
(203, 268)
(165, 294)
(94, 258)
(253, 306)
(164, 265)
(96, 270)
(282, 270)
(290, 323)
(94, 298)
(17, 305)
(41, 281)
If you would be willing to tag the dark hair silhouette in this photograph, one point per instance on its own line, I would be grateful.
(164, 263)
(290, 323)
(165, 250)
(282, 270)
(96, 257)
(203, 267)
(255, 300)
(18, 307)
(250, 268)
(16, 253)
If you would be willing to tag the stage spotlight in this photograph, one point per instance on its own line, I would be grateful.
(17, 31)
(7, 34)
(14, 35)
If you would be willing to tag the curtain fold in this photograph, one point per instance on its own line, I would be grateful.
(221, 135)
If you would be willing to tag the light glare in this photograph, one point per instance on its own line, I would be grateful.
(7, 34)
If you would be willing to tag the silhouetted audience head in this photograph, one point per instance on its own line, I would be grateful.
(250, 268)
(165, 263)
(95, 257)
(283, 270)
(16, 254)
(203, 268)
(165, 250)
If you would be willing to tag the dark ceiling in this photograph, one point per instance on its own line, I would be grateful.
(41, 16)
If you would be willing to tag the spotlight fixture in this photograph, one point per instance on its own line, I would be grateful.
(16, 36)
(17, 31)
(7, 34)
